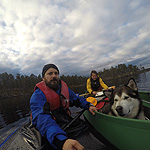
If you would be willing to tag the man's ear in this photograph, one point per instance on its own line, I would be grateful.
(43, 79)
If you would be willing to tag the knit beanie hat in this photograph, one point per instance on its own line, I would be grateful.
(46, 67)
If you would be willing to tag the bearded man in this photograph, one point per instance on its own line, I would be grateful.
(50, 104)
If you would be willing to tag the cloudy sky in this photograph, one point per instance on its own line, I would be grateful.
(77, 35)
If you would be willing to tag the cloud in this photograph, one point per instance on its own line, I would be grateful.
(78, 36)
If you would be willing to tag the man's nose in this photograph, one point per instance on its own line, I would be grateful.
(53, 74)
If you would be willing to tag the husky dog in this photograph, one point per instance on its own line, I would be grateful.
(125, 101)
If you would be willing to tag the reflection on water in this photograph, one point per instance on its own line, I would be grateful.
(15, 111)
(12, 109)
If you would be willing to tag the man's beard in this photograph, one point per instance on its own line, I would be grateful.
(54, 86)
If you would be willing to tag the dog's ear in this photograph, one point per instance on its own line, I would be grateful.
(132, 84)
(108, 94)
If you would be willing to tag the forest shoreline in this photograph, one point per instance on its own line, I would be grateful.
(10, 93)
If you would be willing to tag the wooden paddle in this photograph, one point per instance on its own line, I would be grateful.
(84, 94)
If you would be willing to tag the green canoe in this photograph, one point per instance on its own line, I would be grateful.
(123, 133)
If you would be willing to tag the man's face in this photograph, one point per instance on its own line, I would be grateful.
(51, 78)
(94, 76)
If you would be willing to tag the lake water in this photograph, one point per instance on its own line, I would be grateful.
(142, 80)
(14, 112)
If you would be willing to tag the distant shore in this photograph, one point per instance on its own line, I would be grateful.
(9, 93)
(13, 93)
(124, 75)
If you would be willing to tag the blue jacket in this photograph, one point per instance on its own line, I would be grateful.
(46, 125)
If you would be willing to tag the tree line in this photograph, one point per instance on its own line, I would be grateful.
(121, 70)
(10, 85)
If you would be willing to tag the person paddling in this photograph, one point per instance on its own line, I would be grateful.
(50, 104)
(95, 83)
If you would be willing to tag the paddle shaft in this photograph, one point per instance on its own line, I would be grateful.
(76, 117)
(84, 94)
(89, 93)
(73, 120)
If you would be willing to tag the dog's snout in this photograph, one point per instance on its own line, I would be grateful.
(119, 109)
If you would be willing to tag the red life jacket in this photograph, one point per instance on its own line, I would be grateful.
(53, 98)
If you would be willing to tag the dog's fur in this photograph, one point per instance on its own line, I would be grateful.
(125, 101)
